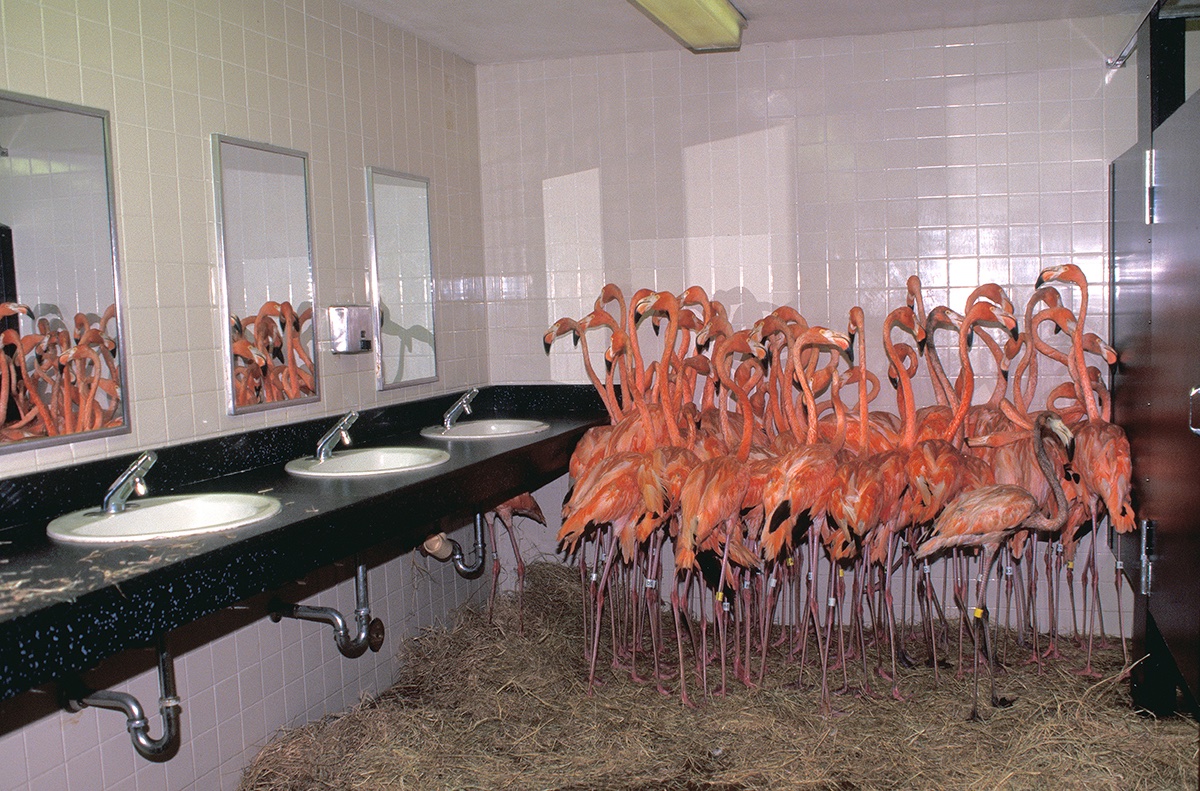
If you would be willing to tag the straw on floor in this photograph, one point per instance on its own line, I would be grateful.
(484, 707)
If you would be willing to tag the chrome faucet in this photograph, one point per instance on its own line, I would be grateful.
(340, 431)
(463, 404)
(131, 481)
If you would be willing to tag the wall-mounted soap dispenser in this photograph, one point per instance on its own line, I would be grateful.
(350, 329)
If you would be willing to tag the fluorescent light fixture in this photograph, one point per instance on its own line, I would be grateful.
(699, 25)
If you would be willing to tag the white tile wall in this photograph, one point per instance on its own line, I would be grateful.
(816, 173)
(312, 76)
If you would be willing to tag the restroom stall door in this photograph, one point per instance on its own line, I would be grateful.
(1170, 466)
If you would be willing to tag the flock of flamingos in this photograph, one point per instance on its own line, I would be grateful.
(759, 461)
(762, 467)
(270, 361)
(55, 380)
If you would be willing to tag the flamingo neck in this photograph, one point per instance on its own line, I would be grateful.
(904, 393)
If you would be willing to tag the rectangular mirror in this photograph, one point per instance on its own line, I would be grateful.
(61, 354)
(264, 241)
(401, 278)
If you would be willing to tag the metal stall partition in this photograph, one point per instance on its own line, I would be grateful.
(1155, 217)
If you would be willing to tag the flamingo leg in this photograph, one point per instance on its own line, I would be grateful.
(598, 620)
(490, 521)
(1118, 582)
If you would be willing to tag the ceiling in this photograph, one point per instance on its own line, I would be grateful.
(504, 31)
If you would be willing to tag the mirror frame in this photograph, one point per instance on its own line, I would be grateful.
(223, 270)
(376, 308)
(119, 337)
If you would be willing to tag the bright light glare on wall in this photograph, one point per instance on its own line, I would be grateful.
(699, 25)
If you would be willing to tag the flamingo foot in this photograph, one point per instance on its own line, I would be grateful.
(1088, 672)
(900, 696)
(886, 676)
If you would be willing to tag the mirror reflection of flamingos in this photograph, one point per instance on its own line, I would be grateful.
(271, 361)
(54, 379)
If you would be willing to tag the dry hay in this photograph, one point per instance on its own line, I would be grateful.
(482, 707)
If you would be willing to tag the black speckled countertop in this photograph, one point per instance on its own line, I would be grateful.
(65, 607)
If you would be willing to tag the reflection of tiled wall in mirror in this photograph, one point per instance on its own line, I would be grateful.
(54, 196)
(403, 258)
(265, 228)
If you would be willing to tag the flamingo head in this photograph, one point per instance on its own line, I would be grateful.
(913, 286)
(906, 319)
(694, 295)
(13, 308)
(1051, 420)
(857, 321)
(1070, 273)
(663, 301)
(558, 329)
(993, 293)
(1093, 344)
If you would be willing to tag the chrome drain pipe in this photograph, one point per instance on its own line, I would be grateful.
(440, 547)
(368, 632)
(169, 707)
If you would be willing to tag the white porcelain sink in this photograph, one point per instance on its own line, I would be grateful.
(492, 428)
(171, 516)
(364, 462)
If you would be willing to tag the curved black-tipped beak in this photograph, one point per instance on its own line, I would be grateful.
(1040, 282)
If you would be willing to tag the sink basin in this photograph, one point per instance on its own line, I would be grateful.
(363, 462)
(496, 428)
(171, 516)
